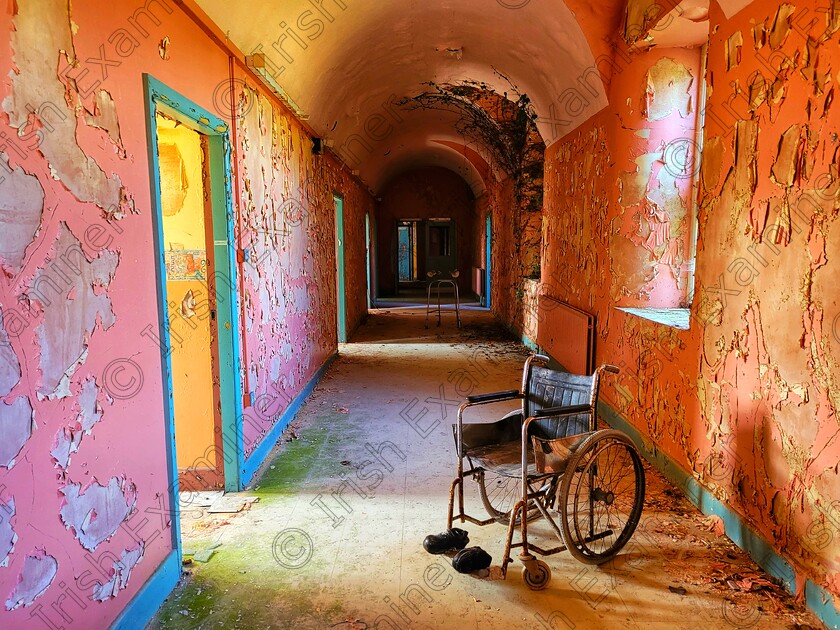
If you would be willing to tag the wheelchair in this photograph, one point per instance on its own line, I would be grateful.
(550, 457)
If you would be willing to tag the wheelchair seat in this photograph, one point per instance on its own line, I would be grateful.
(497, 447)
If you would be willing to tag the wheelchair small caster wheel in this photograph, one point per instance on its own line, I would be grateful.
(539, 578)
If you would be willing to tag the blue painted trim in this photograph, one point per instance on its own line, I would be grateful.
(341, 299)
(367, 261)
(140, 610)
(736, 529)
(488, 256)
(259, 455)
(822, 603)
(531, 345)
(227, 320)
(150, 86)
(158, 96)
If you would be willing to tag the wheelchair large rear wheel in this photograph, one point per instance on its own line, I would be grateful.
(500, 494)
(601, 496)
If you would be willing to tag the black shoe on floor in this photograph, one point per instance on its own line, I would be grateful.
(472, 559)
(450, 540)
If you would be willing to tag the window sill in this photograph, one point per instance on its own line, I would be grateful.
(673, 317)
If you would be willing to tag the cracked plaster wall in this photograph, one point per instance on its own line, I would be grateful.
(287, 226)
(81, 399)
(746, 399)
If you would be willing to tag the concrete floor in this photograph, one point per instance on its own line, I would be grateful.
(335, 539)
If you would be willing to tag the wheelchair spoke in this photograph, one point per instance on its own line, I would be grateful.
(603, 491)
(500, 494)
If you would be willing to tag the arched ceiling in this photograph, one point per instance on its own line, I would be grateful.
(345, 63)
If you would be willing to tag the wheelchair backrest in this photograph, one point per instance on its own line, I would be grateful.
(551, 388)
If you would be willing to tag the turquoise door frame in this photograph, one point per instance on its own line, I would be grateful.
(339, 262)
(367, 261)
(488, 248)
(160, 98)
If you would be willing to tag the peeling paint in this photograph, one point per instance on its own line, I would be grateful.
(122, 572)
(8, 537)
(163, 48)
(66, 443)
(748, 397)
(780, 26)
(15, 429)
(96, 512)
(104, 116)
(21, 205)
(38, 573)
(89, 410)
(43, 44)
(668, 90)
(71, 292)
(9, 365)
(733, 50)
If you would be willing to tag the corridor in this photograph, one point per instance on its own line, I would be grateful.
(301, 557)
(253, 255)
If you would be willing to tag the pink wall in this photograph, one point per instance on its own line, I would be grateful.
(76, 325)
(746, 400)
(287, 224)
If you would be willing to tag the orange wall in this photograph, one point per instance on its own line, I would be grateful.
(746, 400)
(183, 201)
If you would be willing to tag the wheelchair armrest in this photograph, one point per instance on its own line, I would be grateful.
(479, 399)
(568, 410)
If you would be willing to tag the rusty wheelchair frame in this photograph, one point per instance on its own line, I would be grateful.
(550, 457)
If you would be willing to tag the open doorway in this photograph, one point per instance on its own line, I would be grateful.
(184, 178)
(407, 252)
(340, 276)
(440, 247)
(198, 326)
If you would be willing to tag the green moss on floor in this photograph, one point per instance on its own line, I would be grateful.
(294, 464)
(243, 586)
(208, 601)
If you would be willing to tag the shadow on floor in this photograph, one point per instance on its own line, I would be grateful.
(362, 475)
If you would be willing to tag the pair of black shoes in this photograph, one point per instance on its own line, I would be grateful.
(454, 539)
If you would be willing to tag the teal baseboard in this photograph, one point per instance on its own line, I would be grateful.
(817, 599)
(530, 344)
(823, 604)
(151, 595)
(259, 454)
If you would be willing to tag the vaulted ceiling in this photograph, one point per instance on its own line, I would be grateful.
(344, 64)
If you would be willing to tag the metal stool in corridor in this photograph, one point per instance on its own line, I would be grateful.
(437, 283)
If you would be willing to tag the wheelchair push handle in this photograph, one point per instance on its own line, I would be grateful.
(610, 368)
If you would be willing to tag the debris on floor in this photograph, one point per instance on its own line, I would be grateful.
(204, 555)
(231, 503)
(334, 538)
(700, 555)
